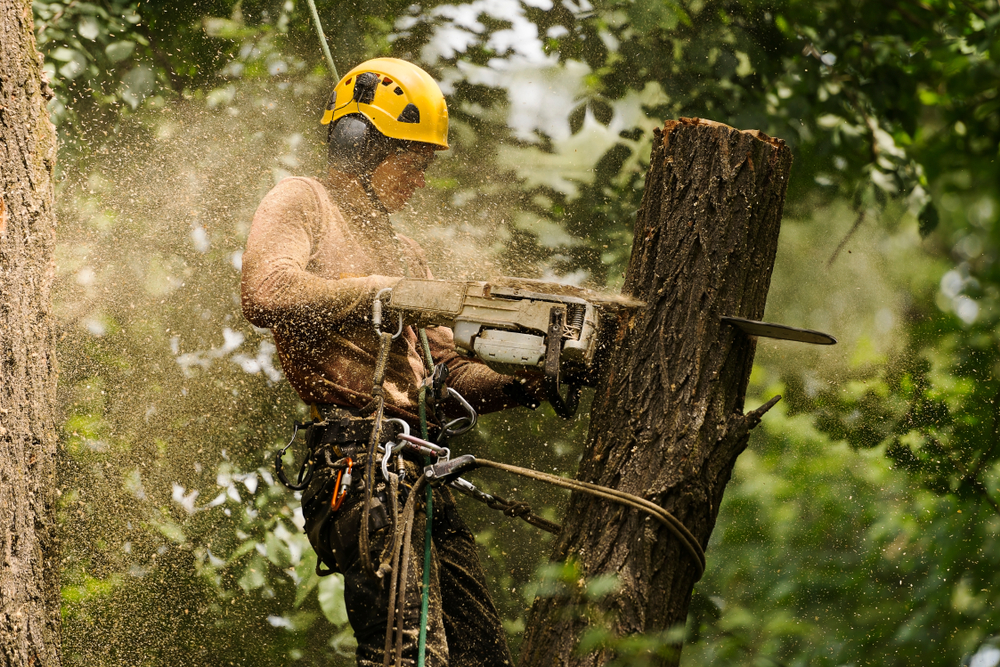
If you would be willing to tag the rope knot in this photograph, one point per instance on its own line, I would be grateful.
(517, 509)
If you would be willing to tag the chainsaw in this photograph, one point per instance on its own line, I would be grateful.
(514, 324)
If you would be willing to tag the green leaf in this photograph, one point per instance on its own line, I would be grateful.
(171, 531)
(928, 219)
(277, 551)
(118, 51)
(89, 28)
(331, 599)
(602, 585)
(254, 576)
(90, 588)
(65, 55)
(308, 579)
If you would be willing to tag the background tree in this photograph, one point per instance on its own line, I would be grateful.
(29, 576)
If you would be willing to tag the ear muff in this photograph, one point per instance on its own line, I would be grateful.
(355, 147)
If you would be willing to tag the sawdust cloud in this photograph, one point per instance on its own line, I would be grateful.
(172, 403)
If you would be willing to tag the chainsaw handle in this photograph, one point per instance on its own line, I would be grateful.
(564, 407)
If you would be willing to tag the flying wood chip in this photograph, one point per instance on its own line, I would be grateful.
(780, 331)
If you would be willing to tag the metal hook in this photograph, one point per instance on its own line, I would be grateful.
(385, 460)
(305, 472)
(448, 431)
(402, 424)
(391, 447)
(377, 314)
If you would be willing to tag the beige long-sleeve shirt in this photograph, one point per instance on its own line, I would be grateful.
(313, 263)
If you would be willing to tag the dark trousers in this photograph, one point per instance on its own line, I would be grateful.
(464, 628)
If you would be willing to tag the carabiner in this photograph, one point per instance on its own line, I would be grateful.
(342, 485)
(472, 418)
(377, 314)
(425, 448)
(385, 459)
(391, 447)
(305, 472)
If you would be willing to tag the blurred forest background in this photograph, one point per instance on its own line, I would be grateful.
(861, 526)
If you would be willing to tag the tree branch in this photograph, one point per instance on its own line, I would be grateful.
(753, 417)
(847, 237)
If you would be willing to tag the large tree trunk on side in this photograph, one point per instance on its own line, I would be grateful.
(667, 421)
(29, 571)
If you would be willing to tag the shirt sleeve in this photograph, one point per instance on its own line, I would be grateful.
(276, 287)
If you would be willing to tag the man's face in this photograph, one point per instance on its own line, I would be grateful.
(395, 179)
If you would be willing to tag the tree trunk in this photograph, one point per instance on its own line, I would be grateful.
(667, 420)
(29, 571)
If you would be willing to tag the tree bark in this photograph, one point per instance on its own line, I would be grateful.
(29, 571)
(667, 420)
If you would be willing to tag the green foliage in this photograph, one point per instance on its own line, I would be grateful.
(860, 526)
(827, 556)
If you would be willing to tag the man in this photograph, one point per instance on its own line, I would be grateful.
(317, 255)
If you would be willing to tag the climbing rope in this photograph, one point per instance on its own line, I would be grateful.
(425, 595)
(322, 40)
(672, 523)
(445, 471)
(377, 408)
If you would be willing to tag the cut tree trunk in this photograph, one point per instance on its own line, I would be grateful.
(29, 571)
(667, 420)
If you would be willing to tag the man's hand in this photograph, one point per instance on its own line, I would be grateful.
(383, 282)
(527, 389)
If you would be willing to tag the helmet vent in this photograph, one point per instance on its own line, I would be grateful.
(398, 90)
(411, 114)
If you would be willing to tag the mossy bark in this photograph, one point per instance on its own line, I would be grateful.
(667, 420)
(29, 563)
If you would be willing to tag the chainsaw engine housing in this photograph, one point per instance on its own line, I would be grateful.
(505, 327)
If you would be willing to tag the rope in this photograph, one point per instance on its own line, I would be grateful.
(322, 40)
(378, 404)
(425, 595)
(511, 508)
(397, 586)
(522, 510)
(428, 358)
(680, 531)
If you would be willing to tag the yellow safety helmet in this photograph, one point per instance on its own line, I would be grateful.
(401, 100)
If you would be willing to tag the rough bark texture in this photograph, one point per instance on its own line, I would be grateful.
(667, 421)
(29, 574)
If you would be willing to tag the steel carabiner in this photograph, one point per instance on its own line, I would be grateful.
(377, 314)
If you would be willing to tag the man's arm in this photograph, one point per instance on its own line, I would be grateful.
(276, 287)
(484, 389)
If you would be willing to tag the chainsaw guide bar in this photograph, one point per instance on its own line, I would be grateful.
(780, 331)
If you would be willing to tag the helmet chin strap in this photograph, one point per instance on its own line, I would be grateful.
(366, 185)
